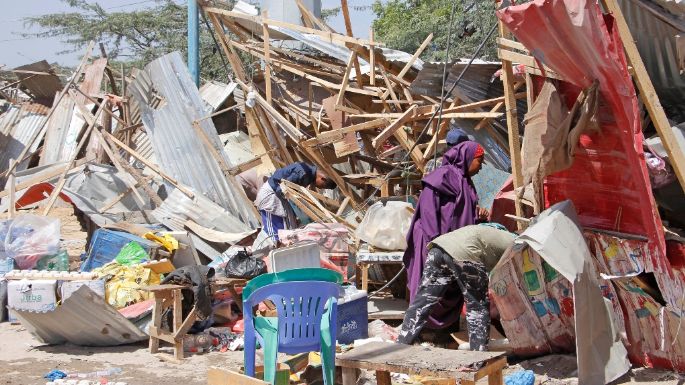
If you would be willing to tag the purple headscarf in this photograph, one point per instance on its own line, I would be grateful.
(448, 202)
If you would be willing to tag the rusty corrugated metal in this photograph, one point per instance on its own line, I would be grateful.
(654, 30)
(83, 319)
(17, 127)
(180, 152)
(42, 87)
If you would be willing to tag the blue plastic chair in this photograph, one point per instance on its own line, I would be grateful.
(306, 322)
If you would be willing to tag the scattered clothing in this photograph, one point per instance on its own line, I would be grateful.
(55, 375)
(448, 202)
(522, 377)
(199, 295)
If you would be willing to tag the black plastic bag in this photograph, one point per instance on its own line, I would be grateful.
(243, 265)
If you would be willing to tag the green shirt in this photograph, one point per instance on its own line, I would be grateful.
(475, 243)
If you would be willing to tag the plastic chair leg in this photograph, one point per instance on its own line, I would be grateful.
(249, 355)
(270, 360)
(327, 349)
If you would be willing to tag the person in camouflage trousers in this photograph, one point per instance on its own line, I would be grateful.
(473, 251)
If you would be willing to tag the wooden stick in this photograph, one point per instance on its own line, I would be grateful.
(150, 165)
(648, 94)
(108, 71)
(12, 201)
(329, 137)
(267, 56)
(372, 60)
(346, 80)
(393, 127)
(416, 55)
(348, 29)
(512, 124)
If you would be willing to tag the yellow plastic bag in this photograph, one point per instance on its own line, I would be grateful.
(167, 241)
(124, 282)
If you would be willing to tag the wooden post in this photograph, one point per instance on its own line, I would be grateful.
(348, 29)
(512, 124)
(648, 93)
(267, 56)
(177, 322)
(12, 200)
(372, 60)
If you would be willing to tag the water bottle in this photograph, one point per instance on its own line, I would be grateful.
(98, 374)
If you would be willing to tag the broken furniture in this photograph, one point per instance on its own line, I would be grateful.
(386, 307)
(384, 358)
(170, 296)
(306, 322)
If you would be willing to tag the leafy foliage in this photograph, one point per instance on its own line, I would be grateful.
(133, 37)
(404, 24)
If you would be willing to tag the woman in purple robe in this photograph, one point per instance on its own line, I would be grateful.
(447, 202)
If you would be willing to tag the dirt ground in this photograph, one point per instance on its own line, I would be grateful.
(25, 361)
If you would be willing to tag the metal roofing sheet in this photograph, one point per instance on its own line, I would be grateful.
(82, 319)
(215, 93)
(655, 35)
(179, 150)
(17, 127)
(42, 87)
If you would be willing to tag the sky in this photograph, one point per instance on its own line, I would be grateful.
(17, 51)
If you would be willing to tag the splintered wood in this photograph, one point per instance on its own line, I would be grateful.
(341, 108)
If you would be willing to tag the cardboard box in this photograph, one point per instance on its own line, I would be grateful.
(69, 287)
(32, 295)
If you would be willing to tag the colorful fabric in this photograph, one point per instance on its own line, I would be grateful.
(448, 202)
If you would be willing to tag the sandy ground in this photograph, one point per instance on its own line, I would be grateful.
(25, 361)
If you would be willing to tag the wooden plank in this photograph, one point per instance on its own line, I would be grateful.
(349, 376)
(12, 210)
(348, 29)
(267, 57)
(648, 94)
(328, 137)
(383, 377)
(512, 124)
(216, 376)
(334, 38)
(393, 127)
(320, 23)
(346, 79)
(372, 60)
(529, 62)
(156, 322)
(186, 325)
(417, 360)
(415, 56)
(408, 144)
(177, 313)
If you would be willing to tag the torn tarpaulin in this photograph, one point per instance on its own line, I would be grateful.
(548, 314)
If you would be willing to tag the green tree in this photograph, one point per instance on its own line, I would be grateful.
(133, 37)
(404, 24)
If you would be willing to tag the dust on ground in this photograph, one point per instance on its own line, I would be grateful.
(25, 361)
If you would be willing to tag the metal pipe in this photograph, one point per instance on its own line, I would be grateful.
(194, 41)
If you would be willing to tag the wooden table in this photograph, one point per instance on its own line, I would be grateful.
(452, 365)
(170, 296)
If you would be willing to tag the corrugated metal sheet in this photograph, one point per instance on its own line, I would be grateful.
(64, 127)
(17, 127)
(83, 319)
(42, 87)
(177, 208)
(179, 150)
(237, 146)
(655, 39)
(215, 93)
